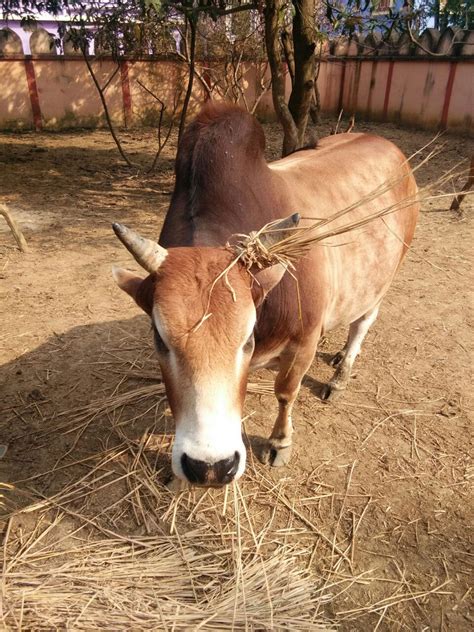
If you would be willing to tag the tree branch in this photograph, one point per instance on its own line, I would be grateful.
(161, 143)
(289, 54)
(263, 91)
(106, 109)
(192, 64)
(197, 72)
(423, 48)
(19, 237)
(212, 10)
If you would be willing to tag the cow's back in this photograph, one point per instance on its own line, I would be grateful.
(346, 275)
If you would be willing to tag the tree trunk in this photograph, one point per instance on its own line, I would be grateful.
(301, 60)
(315, 109)
(287, 43)
(272, 39)
(305, 65)
(192, 21)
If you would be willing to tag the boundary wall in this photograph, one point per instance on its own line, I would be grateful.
(374, 80)
(436, 94)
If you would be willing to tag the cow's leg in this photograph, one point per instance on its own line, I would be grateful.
(344, 360)
(293, 365)
(338, 357)
(456, 203)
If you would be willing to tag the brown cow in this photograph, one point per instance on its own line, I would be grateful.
(223, 187)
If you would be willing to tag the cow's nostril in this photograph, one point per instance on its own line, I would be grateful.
(203, 473)
(194, 470)
(226, 469)
(235, 466)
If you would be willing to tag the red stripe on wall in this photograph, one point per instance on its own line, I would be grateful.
(388, 87)
(447, 94)
(126, 94)
(34, 95)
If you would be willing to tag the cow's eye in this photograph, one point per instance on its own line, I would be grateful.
(250, 344)
(159, 344)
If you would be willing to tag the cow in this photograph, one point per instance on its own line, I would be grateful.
(210, 328)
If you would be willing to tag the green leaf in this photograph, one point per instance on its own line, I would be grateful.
(153, 4)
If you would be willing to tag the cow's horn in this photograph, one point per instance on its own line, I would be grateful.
(146, 252)
(280, 230)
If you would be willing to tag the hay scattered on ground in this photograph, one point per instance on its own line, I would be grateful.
(80, 418)
(159, 582)
(114, 548)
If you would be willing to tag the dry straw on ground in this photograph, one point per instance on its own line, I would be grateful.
(113, 548)
(159, 582)
(76, 569)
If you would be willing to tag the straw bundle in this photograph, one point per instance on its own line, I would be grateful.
(273, 245)
(219, 576)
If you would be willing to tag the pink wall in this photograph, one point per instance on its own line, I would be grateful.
(59, 93)
(461, 117)
(15, 106)
(167, 80)
(415, 92)
(68, 97)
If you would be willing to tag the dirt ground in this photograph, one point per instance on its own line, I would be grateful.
(384, 473)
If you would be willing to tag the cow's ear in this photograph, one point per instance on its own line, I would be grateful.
(265, 280)
(141, 290)
(127, 281)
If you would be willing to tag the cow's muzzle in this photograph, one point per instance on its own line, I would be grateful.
(210, 474)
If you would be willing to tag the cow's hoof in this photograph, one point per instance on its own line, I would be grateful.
(337, 358)
(331, 393)
(276, 456)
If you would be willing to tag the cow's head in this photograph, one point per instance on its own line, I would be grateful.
(203, 332)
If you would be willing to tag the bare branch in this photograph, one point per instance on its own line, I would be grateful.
(264, 88)
(289, 54)
(198, 74)
(17, 234)
(426, 50)
(161, 142)
(110, 79)
(212, 10)
(192, 68)
(106, 109)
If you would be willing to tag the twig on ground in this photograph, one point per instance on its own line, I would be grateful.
(17, 234)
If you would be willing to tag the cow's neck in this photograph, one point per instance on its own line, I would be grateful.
(236, 199)
(223, 184)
